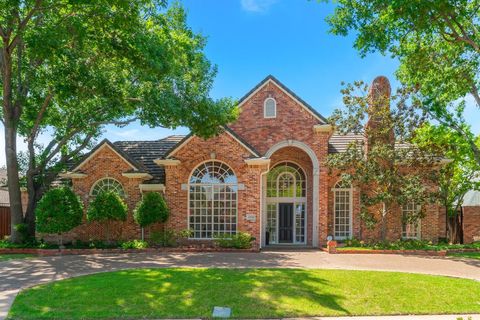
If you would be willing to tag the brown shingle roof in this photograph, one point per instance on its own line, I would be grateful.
(145, 152)
(339, 142)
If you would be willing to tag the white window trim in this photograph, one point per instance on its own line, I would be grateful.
(265, 108)
(419, 226)
(90, 194)
(220, 184)
(350, 195)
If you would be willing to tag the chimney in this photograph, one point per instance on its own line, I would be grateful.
(379, 127)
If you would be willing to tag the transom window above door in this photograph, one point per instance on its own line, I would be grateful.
(287, 180)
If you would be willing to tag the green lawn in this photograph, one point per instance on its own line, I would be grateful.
(472, 255)
(183, 293)
(8, 256)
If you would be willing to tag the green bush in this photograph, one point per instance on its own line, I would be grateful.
(168, 238)
(106, 207)
(58, 211)
(134, 244)
(240, 240)
(410, 244)
(152, 208)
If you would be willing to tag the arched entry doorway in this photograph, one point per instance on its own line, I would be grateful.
(286, 201)
(296, 152)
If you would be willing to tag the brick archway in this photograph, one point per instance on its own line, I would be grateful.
(315, 182)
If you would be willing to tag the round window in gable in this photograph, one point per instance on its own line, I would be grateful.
(270, 108)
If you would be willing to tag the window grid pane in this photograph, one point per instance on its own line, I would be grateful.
(213, 201)
(342, 214)
(410, 230)
(272, 222)
(106, 185)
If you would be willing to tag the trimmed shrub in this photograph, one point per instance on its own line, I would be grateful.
(152, 208)
(134, 244)
(107, 207)
(168, 238)
(58, 211)
(240, 240)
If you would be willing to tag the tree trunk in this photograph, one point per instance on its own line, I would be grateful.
(454, 228)
(16, 210)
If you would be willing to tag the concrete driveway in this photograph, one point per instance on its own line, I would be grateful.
(19, 274)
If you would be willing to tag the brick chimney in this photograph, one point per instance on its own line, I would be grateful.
(379, 127)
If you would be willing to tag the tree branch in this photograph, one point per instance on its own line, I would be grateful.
(23, 24)
(40, 115)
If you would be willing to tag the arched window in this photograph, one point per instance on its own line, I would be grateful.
(410, 230)
(286, 203)
(269, 108)
(213, 200)
(342, 210)
(107, 184)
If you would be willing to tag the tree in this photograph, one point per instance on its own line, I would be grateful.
(60, 210)
(437, 43)
(151, 209)
(387, 170)
(68, 68)
(107, 206)
(455, 178)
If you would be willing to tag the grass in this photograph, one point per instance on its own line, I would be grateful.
(8, 256)
(471, 255)
(251, 293)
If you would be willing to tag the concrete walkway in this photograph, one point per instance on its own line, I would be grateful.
(19, 274)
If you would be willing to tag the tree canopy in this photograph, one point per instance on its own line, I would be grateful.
(71, 67)
(437, 43)
(383, 164)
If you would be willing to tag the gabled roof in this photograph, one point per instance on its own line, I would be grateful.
(106, 143)
(232, 133)
(289, 92)
(145, 152)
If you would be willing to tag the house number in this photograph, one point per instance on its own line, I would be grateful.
(251, 217)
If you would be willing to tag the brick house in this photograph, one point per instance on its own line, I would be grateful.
(264, 174)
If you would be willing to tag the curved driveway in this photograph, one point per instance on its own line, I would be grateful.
(19, 274)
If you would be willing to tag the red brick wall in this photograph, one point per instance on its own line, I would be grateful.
(293, 122)
(430, 224)
(471, 224)
(229, 151)
(106, 163)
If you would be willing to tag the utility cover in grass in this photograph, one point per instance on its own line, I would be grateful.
(221, 312)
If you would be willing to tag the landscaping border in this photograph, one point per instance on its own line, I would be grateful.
(332, 249)
(60, 252)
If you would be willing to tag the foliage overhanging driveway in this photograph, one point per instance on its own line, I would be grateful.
(18, 274)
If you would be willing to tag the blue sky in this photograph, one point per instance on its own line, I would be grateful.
(249, 39)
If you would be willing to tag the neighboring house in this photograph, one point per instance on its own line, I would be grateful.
(264, 174)
(471, 216)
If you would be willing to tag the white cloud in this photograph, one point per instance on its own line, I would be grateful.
(257, 5)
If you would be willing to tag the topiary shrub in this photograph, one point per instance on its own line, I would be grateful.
(152, 208)
(107, 206)
(58, 211)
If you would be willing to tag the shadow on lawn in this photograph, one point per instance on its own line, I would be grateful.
(192, 293)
